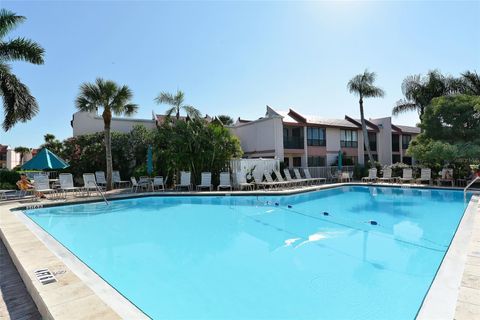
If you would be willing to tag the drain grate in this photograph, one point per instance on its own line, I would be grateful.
(44, 276)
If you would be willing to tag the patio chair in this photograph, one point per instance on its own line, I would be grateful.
(66, 184)
(425, 175)
(274, 183)
(242, 181)
(289, 178)
(142, 184)
(89, 183)
(258, 180)
(299, 177)
(224, 181)
(387, 176)
(158, 183)
(185, 180)
(117, 181)
(345, 176)
(41, 184)
(372, 175)
(206, 182)
(100, 178)
(309, 176)
(279, 177)
(446, 176)
(407, 175)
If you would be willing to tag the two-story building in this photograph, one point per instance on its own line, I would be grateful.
(301, 140)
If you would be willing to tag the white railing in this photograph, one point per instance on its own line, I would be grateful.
(468, 186)
(259, 166)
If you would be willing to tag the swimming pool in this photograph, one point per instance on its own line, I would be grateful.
(307, 256)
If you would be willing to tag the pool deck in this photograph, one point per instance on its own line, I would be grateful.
(79, 293)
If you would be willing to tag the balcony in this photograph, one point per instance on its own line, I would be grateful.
(293, 142)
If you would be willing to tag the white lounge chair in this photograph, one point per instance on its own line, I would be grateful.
(66, 184)
(258, 179)
(274, 183)
(242, 181)
(345, 176)
(206, 182)
(289, 178)
(407, 175)
(446, 176)
(142, 184)
(299, 177)
(117, 180)
(41, 184)
(224, 181)
(425, 175)
(279, 177)
(90, 183)
(100, 178)
(158, 183)
(309, 176)
(185, 180)
(387, 176)
(372, 175)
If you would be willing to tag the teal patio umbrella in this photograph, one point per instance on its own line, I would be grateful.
(149, 160)
(45, 160)
(340, 159)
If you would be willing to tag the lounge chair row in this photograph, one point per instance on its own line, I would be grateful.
(407, 176)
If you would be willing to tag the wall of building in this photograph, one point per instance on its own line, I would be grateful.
(261, 138)
(384, 140)
(86, 123)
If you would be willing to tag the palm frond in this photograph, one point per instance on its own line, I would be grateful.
(191, 111)
(166, 98)
(363, 85)
(130, 109)
(8, 21)
(404, 106)
(22, 49)
(472, 82)
(18, 104)
(169, 112)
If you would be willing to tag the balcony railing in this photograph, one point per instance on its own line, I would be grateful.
(293, 142)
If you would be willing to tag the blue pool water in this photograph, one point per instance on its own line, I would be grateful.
(247, 258)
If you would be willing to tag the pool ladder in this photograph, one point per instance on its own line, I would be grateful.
(468, 186)
(99, 190)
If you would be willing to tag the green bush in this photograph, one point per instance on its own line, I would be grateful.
(9, 177)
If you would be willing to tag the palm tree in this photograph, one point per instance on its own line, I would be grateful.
(419, 92)
(18, 104)
(52, 143)
(176, 101)
(23, 151)
(112, 98)
(362, 85)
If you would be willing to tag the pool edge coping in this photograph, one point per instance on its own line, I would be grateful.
(14, 210)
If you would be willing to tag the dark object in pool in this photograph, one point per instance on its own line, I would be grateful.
(276, 203)
(325, 213)
(289, 206)
(373, 222)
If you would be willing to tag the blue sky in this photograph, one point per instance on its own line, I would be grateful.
(237, 57)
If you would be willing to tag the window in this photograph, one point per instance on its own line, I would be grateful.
(286, 162)
(395, 143)
(407, 160)
(293, 138)
(372, 140)
(316, 161)
(349, 160)
(315, 136)
(395, 158)
(406, 140)
(348, 138)
(297, 161)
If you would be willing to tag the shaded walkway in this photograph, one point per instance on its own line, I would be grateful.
(15, 301)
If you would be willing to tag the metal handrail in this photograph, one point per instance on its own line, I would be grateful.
(469, 185)
(100, 191)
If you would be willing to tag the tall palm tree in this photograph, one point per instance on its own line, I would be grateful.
(419, 92)
(176, 103)
(226, 119)
(23, 151)
(362, 85)
(114, 99)
(18, 104)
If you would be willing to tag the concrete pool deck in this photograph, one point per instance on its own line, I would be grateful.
(79, 293)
